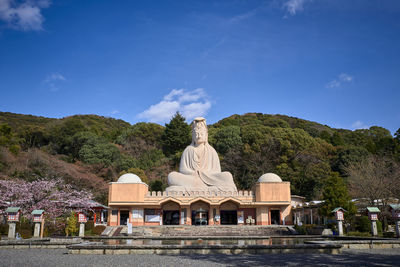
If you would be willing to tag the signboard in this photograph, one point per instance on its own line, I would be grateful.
(82, 218)
(37, 218)
(137, 214)
(373, 216)
(240, 216)
(339, 215)
(13, 217)
(153, 218)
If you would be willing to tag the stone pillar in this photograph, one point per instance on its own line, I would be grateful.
(36, 232)
(374, 229)
(129, 228)
(398, 228)
(11, 230)
(82, 230)
(340, 227)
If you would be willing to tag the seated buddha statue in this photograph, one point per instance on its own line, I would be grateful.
(199, 168)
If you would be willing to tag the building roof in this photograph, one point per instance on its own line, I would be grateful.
(373, 209)
(395, 206)
(269, 178)
(37, 212)
(13, 209)
(338, 208)
(129, 178)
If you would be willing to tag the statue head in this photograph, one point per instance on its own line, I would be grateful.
(199, 131)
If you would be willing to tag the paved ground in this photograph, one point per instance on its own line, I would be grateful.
(59, 257)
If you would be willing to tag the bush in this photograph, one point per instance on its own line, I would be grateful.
(301, 230)
(3, 229)
(72, 222)
(363, 224)
(379, 226)
(89, 226)
(97, 230)
(24, 228)
(364, 234)
(389, 234)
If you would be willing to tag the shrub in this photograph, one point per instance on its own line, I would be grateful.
(379, 226)
(71, 228)
(97, 230)
(24, 228)
(3, 229)
(363, 224)
(365, 234)
(89, 226)
(388, 234)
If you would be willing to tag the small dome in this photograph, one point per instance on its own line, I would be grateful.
(129, 178)
(269, 178)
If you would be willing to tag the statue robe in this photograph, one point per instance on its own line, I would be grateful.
(200, 170)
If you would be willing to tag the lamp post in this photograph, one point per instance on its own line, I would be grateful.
(13, 214)
(396, 216)
(82, 219)
(38, 216)
(339, 218)
(373, 216)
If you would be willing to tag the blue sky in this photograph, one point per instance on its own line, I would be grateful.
(330, 61)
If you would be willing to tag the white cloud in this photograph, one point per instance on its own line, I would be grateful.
(114, 112)
(25, 15)
(52, 79)
(294, 6)
(342, 78)
(359, 125)
(190, 104)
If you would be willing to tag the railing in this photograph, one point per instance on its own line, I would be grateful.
(199, 193)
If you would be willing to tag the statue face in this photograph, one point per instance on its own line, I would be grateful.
(200, 136)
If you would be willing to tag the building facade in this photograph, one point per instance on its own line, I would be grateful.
(268, 203)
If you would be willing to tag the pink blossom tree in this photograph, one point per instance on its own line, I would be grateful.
(53, 196)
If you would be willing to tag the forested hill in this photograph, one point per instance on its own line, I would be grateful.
(89, 151)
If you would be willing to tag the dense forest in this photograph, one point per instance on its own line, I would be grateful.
(88, 151)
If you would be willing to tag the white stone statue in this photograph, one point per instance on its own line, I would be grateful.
(199, 169)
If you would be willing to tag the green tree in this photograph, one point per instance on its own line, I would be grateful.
(336, 195)
(227, 138)
(103, 153)
(176, 135)
(71, 228)
(157, 185)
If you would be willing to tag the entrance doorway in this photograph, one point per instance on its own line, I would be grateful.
(171, 217)
(123, 217)
(275, 217)
(200, 217)
(228, 217)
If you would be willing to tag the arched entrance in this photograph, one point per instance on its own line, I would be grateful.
(200, 211)
(170, 213)
(275, 217)
(228, 211)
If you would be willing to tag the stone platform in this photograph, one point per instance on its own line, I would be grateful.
(208, 230)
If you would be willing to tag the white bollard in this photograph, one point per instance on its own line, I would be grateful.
(82, 230)
(340, 227)
(11, 230)
(374, 228)
(398, 229)
(36, 232)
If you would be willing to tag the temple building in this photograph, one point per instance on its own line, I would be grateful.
(199, 194)
(267, 203)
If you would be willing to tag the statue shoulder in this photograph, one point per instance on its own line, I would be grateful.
(188, 149)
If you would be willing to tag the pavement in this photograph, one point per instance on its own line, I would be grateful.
(59, 257)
